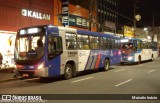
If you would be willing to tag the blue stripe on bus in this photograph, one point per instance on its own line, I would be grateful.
(97, 57)
(54, 69)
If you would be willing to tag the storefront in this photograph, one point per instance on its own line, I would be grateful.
(23, 13)
(18, 14)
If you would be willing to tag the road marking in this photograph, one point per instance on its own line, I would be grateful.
(151, 71)
(123, 82)
(81, 79)
(120, 70)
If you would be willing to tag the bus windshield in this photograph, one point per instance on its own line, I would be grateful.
(127, 46)
(29, 47)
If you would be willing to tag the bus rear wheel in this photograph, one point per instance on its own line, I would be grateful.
(68, 73)
(106, 65)
(152, 58)
(139, 60)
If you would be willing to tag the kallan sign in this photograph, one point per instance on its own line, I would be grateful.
(34, 14)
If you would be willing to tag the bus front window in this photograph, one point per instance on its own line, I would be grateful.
(127, 48)
(29, 47)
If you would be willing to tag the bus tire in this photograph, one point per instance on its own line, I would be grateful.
(152, 58)
(68, 73)
(106, 65)
(139, 59)
(122, 63)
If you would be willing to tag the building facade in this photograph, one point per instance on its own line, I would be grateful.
(107, 15)
(16, 14)
(93, 15)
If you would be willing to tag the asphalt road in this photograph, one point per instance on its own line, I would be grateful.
(127, 79)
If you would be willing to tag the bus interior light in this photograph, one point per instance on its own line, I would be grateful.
(33, 30)
(124, 40)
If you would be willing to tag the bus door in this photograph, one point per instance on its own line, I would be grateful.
(54, 52)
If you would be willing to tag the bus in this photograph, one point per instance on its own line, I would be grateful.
(48, 51)
(138, 50)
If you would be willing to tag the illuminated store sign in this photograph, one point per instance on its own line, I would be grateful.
(65, 14)
(34, 14)
(78, 21)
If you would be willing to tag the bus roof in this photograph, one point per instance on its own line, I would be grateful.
(73, 30)
(85, 32)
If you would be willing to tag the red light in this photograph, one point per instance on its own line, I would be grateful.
(119, 52)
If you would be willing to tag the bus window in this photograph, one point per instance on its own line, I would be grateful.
(94, 42)
(54, 46)
(71, 42)
(83, 42)
(110, 46)
(103, 42)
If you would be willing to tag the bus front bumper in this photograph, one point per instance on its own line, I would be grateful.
(43, 72)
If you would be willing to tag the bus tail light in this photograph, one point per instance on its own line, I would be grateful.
(119, 52)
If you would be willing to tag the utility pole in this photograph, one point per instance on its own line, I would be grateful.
(134, 14)
(153, 27)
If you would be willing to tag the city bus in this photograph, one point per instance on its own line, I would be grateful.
(138, 50)
(48, 51)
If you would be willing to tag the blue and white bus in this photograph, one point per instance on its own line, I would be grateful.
(47, 51)
(137, 50)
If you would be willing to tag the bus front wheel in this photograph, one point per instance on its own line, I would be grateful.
(68, 73)
(106, 65)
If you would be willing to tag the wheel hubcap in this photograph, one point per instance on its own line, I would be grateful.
(68, 72)
(107, 66)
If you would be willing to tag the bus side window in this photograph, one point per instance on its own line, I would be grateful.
(54, 46)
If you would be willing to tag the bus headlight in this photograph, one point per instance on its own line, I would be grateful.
(19, 66)
(40, 66)
(130, 58)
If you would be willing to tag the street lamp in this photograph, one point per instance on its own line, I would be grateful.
(145, 29)
(138, 17)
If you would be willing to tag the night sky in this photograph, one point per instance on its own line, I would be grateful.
(146, 8)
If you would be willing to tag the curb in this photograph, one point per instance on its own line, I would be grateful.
(8, 80)
(7, 70)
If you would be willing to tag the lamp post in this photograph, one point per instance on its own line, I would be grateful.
(137, 17)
